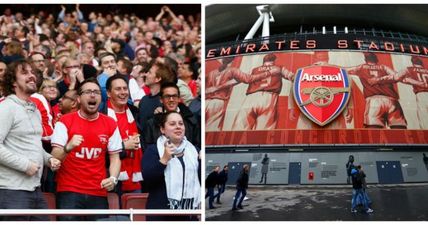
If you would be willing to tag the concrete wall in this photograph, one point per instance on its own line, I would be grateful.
(328, 168)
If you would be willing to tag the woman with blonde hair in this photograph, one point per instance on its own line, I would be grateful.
(48, 91)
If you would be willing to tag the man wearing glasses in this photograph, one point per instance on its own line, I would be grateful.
(159, 73)
(81, 140)
(38, 61)
(170, 99)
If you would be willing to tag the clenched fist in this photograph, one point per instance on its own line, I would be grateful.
(75, 141)
(32, 168)
(54, 164)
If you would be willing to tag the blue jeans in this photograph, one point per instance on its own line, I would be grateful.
(210, 194)
(358, 198)
(220, 188)
(16, 199)
(239, 192)
(72, 200)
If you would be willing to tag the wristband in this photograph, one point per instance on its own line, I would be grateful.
(66, 150)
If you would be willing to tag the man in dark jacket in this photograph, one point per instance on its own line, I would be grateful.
(210, 184)
(349, 167)
(170, 97)
(222, 179)
(241, 187)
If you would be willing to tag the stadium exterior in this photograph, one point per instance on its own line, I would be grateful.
(381, 124)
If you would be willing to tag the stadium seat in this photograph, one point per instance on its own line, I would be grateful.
(51, 200)
(135, 201)
(113, 200)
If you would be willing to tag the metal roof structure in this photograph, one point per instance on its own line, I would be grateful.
(231, 22)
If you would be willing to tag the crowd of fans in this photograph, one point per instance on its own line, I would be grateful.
(146, 67)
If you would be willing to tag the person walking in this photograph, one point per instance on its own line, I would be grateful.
(222, 179)
(363, 181)
(210, 184)
(241, 187)
(357, 192)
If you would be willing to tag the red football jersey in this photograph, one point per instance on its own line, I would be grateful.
(84, 167)
(46, 112)
(216, 78)
(419, 74)
(368, 71)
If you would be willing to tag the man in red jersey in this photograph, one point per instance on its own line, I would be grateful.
(219, 85)
(417, 76)
(81, 140)
(258, 110)
(382, 106)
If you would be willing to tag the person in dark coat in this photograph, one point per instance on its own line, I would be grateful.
(169, 96)
(171, 170)
(241, 187)
(265, 168)
(425, 158)
(222, 179)
(210, 184)
(349, 167)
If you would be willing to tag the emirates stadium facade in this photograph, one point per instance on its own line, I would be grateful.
(319, 84)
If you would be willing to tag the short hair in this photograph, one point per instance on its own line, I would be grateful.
(168, 85)
(417, 61)
(225, 61)
(128, 65)
(140, 49)
(370, 57)
(10, 76)
(36, 53)
(165, 73)
(89, 80)
(74, 93)
(88, 42)
(269, 57)
(112, 78)
(105, 54)
(14, 48)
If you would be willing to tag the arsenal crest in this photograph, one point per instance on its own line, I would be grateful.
(321, 92)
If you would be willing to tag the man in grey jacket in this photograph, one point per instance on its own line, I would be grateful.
(21, 153)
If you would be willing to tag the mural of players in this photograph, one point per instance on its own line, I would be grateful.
(219, 84)
(382, 106)
(417, 76)
(258, 110)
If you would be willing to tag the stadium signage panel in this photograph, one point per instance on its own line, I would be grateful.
(274, 45)
(321, 92)
(399, 79)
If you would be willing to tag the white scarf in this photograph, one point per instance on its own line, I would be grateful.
(187, 195)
